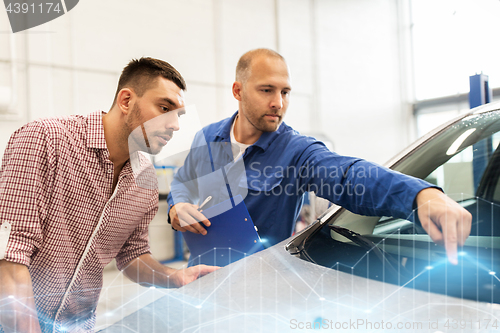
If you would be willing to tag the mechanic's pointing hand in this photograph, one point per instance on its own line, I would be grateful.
(185, 217)
(446, 222)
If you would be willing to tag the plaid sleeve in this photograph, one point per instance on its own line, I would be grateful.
(25, 190)
(138, 243)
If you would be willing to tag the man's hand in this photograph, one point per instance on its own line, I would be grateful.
(188, 275)
(17, 304)
(147, 271)
(185, 217)
(446, 222)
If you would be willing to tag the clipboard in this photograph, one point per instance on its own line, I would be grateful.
(230, 237)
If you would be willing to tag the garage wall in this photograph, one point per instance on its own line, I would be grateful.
(360, 96)
(343, 55)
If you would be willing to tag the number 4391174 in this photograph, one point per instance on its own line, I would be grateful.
(472, 324)
(25, 8)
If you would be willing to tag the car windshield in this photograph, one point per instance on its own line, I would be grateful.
(464, 160)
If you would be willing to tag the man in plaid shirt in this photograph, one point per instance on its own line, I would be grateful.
(75, 194)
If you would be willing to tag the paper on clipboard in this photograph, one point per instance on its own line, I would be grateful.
(230, 237)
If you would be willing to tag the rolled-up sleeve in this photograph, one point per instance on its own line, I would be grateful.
(25, 188)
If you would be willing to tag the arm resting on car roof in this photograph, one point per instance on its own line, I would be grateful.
(147, 271)
(18, 311)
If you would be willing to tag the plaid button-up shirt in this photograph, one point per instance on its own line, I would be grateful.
(66, 222)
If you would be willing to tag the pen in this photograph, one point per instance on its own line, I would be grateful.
(205, 202)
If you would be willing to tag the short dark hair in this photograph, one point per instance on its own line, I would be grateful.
(243, 66)
(142, 74)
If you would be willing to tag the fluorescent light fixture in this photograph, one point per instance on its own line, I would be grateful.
(458, 142)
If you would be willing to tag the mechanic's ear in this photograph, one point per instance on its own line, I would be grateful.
(237, 90)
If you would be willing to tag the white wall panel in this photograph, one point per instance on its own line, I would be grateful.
(52, 92)
(343, 57)
(51, 43)
(7, 127)
(180, 32)
(227, 103)
(5, 33)
(63, 92)
(296, 42)
(202, 96)
(5, 78)
(297, 114)
(95, 91)
(212, 102)
(245, 25)
(359, 75)
(42, 93)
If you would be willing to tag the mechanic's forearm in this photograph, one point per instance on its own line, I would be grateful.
(147, 271)
(17, 304)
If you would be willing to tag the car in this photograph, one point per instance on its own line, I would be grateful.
(349, 272)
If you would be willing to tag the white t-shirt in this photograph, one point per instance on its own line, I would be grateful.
(237, 147)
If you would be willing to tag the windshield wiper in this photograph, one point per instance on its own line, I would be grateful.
(364, 242)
